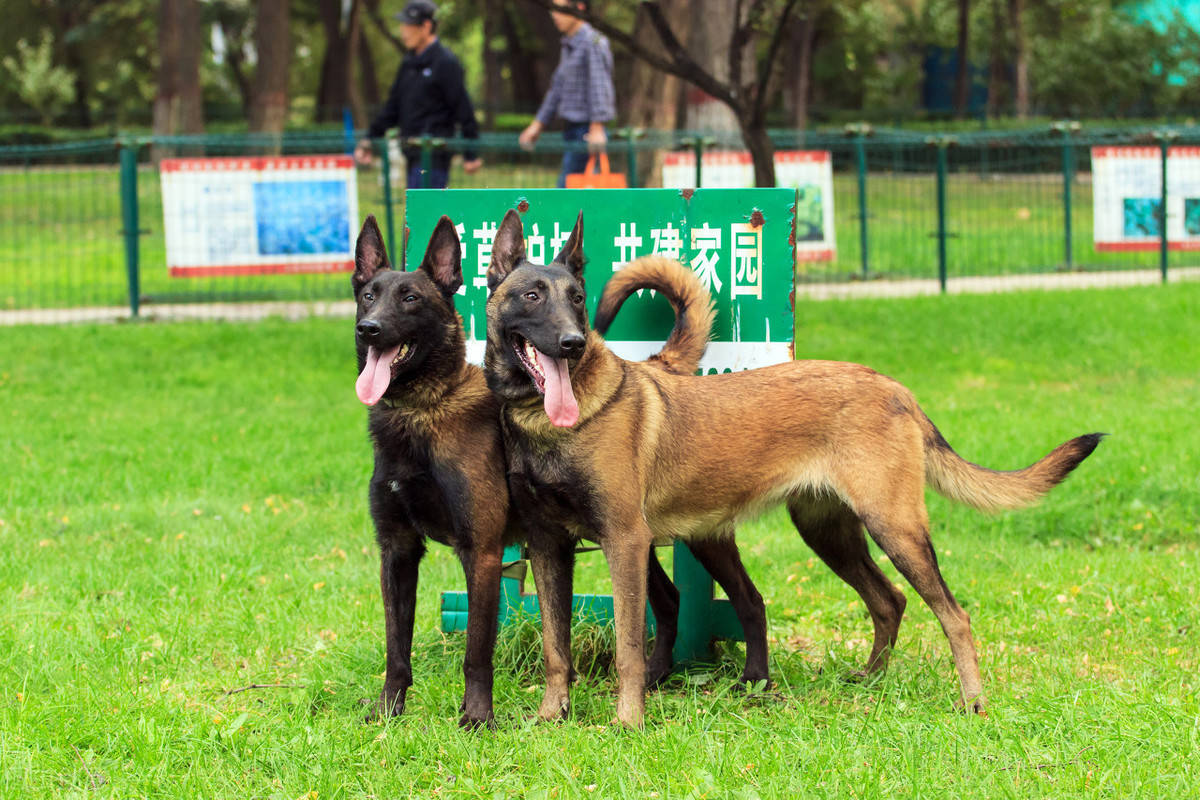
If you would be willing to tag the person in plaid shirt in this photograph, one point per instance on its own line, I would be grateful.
(581, 91)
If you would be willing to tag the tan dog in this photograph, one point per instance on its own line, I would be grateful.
(628, 455)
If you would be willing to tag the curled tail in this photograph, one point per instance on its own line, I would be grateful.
(992, 490)
(693, 306)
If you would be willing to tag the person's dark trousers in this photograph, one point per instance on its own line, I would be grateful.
(573, 160)
(438, 176)
(439, 173)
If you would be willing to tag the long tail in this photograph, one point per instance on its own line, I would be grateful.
(991, 490)
(693, 306)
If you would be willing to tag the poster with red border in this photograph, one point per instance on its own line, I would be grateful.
(809, 172)
(259, 215)
(1127, 198)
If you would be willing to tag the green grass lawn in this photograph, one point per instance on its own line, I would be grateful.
(183, 516)
(61, 242)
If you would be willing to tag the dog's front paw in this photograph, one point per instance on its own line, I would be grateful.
(554, 708)
(975, 705)
(473, 722)
(389, 704)
(657, 674)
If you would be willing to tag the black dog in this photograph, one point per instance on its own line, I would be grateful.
(439, 459)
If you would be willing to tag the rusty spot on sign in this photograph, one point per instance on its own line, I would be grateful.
(687, 193)
(523, 205)
(756, 218)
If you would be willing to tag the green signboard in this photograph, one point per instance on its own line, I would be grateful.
(739, 242)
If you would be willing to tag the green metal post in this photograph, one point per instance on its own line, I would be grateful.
(860, 152)
(701, 618)
(699, 145)
(129, 219)
(1164, 147)
(389, 217)
(1068, 165)
(426, 161)
(631, 159)
(941, 212)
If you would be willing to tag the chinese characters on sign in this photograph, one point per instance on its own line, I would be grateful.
(720, 256)
(746, 267)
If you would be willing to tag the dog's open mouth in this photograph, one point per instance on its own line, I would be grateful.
(552, 379)
(381, 365)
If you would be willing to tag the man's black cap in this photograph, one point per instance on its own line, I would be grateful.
(417, 12)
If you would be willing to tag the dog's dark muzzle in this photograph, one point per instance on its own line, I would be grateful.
(571, 345)
(368, 330)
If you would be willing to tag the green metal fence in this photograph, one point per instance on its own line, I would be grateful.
(81, 225)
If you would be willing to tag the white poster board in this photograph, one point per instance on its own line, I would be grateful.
(809, 172)
(1127, 198)
(259, 215)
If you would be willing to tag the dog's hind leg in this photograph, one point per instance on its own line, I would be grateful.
(903, 533)
(552, 557)
(399, 559)
(719, 555)
(664, 602)
(835, 534)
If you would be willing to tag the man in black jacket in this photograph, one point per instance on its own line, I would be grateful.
(427, 98)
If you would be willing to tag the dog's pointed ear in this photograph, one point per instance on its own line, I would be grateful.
(443, 257)
(508, 249)
(571, 255)
(370, 256)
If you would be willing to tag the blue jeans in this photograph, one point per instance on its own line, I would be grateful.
(573, 160)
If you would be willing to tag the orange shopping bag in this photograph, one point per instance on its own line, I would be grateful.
(590, 179)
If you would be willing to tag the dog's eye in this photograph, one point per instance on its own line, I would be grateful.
(368, 297)
(531, 296)
(577, 299)
(412, 298)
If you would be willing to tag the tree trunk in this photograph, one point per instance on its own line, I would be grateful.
(273, 42)
(237, 65)
(708, 40)
(804, 37)
(368, 78)
(177, 104)
(532, 48)
(654, 97)
(1016, 10)
(331, 91)
(762, 151)
(962, 82)
(358, 108)
(493, 78)
(999, 59)
(76, 61)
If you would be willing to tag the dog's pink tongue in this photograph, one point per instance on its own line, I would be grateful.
(560, 400)
(376, 375)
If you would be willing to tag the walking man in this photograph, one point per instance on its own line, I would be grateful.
(427, 98)
(581, 91)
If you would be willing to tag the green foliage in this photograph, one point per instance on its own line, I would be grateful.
(45, 87)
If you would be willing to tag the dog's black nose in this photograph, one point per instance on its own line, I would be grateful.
(571, 344)
(368, 329)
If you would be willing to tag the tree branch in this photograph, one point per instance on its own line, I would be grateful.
(761, 89)
(381, 26)
(680, 62)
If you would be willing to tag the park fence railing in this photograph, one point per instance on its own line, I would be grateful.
(82, 225)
